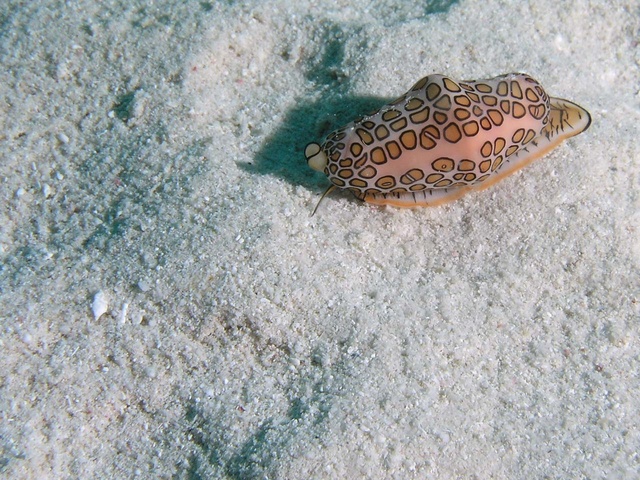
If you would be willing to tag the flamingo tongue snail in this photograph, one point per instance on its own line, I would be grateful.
(444, 138)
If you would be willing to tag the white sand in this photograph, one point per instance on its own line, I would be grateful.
(151, 168)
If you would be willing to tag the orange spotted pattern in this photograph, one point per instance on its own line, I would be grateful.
(441, 134)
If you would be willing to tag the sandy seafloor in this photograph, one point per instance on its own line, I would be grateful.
(151, 158)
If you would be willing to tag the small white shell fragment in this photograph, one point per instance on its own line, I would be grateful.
(100, 305)
(123, 313)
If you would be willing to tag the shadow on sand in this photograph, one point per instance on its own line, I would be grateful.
(282, 153)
